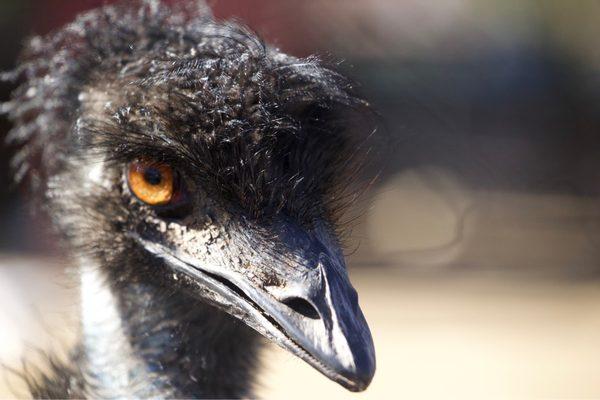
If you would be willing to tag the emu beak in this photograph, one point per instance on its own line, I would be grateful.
(292, 288)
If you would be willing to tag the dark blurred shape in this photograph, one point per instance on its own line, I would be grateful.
(14, 25)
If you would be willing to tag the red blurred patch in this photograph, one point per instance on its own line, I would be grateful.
(281, 23)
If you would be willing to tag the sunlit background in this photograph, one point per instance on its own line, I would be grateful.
(477, 253)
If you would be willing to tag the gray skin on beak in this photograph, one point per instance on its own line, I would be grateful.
(287, 283)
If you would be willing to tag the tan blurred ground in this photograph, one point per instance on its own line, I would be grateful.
(468, 295)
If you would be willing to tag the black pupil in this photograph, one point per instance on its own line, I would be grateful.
(152, 175)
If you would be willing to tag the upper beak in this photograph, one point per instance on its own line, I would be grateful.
(294, 290)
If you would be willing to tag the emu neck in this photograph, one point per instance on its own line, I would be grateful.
(140, 340)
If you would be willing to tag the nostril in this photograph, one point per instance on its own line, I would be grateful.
(301, 306)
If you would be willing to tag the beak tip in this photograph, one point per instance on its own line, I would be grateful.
(359, 383)
(364, 376)
(359, 378)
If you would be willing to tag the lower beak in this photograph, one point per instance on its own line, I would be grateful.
(308, 307)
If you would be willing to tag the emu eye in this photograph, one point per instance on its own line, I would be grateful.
(152, 182)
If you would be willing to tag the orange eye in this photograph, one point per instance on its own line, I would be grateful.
(152, 182)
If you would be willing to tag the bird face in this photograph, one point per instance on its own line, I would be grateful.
(238, 214)
(287, 281)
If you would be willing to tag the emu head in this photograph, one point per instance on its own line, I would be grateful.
(177, 149)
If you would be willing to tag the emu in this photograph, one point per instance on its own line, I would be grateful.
(197, 176)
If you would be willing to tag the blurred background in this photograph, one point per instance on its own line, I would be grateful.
(477, 253)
